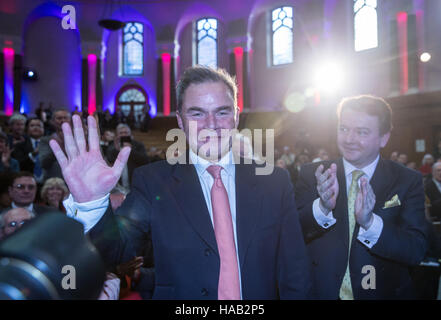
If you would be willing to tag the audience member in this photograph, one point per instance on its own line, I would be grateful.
(53, 193)
(433, 191)
(427, 163)
(23, 192)
(7, 163)
(12, 220)
(288, 156)
(411, 165)
(322, 155)
(49, 164)
(27, 152)
(107, 138)
(17, 130)
(402, 159)
(137, 158)
(394, 156)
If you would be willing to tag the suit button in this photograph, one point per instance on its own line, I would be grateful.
(204, 292)
(207, 252)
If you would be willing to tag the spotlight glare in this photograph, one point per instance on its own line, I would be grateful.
(425, 57)
(329, 77)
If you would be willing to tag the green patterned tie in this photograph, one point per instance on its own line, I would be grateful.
(346, 286)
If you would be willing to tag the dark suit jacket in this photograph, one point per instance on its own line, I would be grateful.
(37, 209)
(138, 156)
(21, 153)
(402, 243)
(434, 196)
(167, 204)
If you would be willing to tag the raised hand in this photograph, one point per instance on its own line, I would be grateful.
(364, 204)
(327, 187)
(86, 173)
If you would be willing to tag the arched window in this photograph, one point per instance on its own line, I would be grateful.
(206, 42)
(133, 49)
(282, 35)
(132, 98)
(365, 24)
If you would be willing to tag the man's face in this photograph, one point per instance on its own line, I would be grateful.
(359, 139)
(108, 136)
(394, 156)
(23, 191)
(123, 132)
(209, 105)
(60, 117)
(402, 158)
(18, 127)
(14, 220)
(35, 129)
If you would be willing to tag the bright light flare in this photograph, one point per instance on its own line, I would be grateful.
(425, 57)
(329, 77)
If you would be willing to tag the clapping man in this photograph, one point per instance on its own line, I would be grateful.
(362, 216)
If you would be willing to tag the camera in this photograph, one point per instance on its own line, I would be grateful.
(49, 258)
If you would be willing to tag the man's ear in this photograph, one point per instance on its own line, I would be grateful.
(180, 121)
(384, 139)
(236, 116)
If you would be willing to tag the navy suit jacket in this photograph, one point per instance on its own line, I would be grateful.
(402, 243)
(166, 204)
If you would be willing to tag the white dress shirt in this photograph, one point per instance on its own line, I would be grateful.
(368, 237)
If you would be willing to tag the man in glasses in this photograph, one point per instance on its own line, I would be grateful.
(23, 192)
(12, 220)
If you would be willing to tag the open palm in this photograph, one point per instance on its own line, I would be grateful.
(86, 173)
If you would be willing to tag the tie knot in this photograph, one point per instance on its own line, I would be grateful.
(356, 174)
(214, 171)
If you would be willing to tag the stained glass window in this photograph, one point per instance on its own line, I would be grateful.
(206, 42)
(133, 49)
(282, 35)
(132, 99)
(365, 24)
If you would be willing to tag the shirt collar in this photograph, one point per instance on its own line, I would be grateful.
(30, 207)
(367, 170)
(201, 164)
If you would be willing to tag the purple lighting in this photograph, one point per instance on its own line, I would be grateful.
(9, 80)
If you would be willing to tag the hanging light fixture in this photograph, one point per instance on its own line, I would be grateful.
(108, 23)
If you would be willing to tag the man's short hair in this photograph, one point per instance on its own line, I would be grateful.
(21, 174)
(123, 125)
(371, 105)
(201, 74)
(16, 117)
(60, 109)
(33, 119)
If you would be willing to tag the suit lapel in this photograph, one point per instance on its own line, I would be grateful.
(248, 207)
(341, 214)
(380, 182)
(191, 202)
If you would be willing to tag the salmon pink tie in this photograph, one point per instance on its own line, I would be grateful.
(228, 288)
